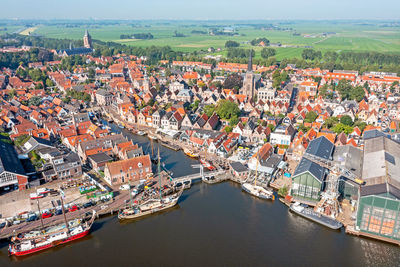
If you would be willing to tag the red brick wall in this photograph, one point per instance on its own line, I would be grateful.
(22, 182)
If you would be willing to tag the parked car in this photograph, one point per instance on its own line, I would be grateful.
(58, 211)
(88, 204)
(3, 224)
(124, 187)
(73, 208)
(35, 196)
(32, 217)
(42, 191)
(46, 215)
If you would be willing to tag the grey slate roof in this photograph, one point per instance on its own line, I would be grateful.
(306, 165)
(350, 158)
(321, 147)
(75, 51)
(9, 160)
(373, 133)
(238, 167)
(100, 157)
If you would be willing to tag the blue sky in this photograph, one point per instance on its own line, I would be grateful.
(200, 9)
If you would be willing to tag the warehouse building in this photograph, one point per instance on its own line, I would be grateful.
(308, 180)
(12, 173)
(378, 211)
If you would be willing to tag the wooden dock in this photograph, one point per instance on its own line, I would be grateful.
(170, 146)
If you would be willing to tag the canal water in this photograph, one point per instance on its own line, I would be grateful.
(213, 225)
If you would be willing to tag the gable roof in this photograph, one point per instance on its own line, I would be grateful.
(321, 147)
(306, 165)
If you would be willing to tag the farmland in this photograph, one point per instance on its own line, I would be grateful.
(343, 36)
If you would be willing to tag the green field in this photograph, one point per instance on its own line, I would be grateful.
(349, 36)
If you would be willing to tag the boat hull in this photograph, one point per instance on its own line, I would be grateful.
(145, 213)
(263, 195)
(51, 245)
(335, 225)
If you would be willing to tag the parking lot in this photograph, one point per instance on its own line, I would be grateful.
(17, 202)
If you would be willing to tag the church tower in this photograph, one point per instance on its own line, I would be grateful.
(87, 40)
(248, 83)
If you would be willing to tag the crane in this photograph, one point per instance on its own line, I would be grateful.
(329, 198)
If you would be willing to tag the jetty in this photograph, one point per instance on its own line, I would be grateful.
(187, 180)
(171, 146)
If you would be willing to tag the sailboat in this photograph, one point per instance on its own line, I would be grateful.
(153, 157)
(152, 205)
(49, 237)
(256, 190)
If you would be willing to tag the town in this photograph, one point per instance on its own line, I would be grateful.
(325, 142)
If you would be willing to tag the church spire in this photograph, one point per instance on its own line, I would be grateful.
(250, 66)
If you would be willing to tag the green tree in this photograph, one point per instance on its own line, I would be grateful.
(346, 120)
(330, 122)
(268, 52)
(340, 127)
(311, 117)
(228, 129)
(209, 110)
(227, 109)
(283, 191)
(230, 43)
(233, 121)
(49, 83)
(303, 128)
(311, 54)
(357, 93)
(233, 81)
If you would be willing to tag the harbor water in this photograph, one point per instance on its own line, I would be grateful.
(213, 225)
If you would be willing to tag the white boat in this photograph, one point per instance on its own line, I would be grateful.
(258, 191)
(141, 133)
(152, 137)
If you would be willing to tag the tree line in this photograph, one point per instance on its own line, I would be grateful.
(143, 36)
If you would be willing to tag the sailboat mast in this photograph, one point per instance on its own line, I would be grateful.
(63, 211)
(159, 170)
(255, 178)
(40, 214)
(152, 152)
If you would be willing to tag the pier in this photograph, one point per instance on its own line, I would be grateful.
(187, 180)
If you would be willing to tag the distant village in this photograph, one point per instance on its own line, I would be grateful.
(308, 133)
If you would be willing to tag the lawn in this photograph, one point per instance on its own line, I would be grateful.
(349, 36)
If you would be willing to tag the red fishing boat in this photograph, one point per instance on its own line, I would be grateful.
(38, 240)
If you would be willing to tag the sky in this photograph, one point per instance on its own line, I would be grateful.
(201, 9)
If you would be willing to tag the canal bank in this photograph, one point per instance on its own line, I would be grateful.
(215, 225)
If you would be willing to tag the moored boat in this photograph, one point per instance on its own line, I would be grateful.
(309, 213)
(35, 241)
(190, 153)
(149, 207)
(141, 133)
(258, 191)
(152, 137)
